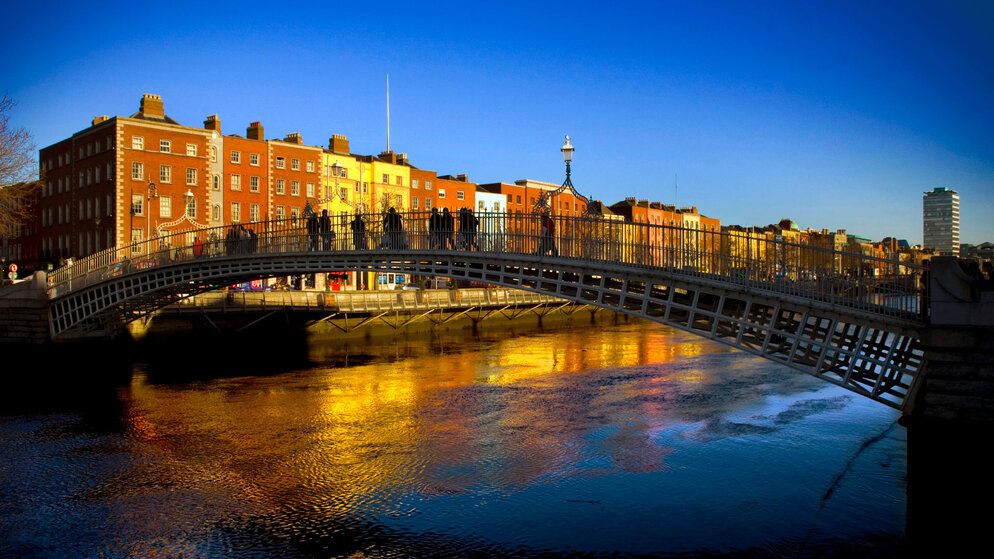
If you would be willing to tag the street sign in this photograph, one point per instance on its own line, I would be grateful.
(13, 268)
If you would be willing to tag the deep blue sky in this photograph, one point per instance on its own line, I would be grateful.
(836, 114)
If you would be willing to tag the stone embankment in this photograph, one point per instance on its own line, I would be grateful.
(24, 311)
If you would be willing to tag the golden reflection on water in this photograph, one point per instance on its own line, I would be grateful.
(506, 414)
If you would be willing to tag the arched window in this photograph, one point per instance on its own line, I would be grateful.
(213, 154)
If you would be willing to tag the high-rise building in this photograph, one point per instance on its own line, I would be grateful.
(940, 221)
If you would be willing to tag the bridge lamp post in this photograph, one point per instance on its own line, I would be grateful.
(567, 150)
(150, 193)
(336, 170)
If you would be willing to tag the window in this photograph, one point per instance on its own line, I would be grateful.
(414, 203)
(165, 173)
(414, 183)
(137, 142)
(215, 182)
(164, 146)
(191, 176)
(137, 172)
(518, 198)
(400, 201)
(254, 184)
(441, 193)
(386, 178)
(310, 166)
(136, 237)
(427, 185)
(165, 206)
(295, 164)
(216, 212)
(280, 186)
(294, 214)
(365, 187)
(191, 150)
(281, 163)
(400, 180)
(137, 205)
(481, 206)
(427, 204)
(460, 195)
(236, 212)
(236, 182)
(191, 208)
(213, 154)
(254, 212)
(236, 156)
(310, 190)
(254, 159)
(294, 188)
(280, 214)
(96, 173)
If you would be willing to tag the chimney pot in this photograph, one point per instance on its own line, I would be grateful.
(151, 105)
(255, 131)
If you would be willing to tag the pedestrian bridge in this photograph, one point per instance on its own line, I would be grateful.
(845, 317)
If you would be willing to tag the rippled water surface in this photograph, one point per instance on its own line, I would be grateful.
(628, 439)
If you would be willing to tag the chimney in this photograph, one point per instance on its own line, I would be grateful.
(213, 123)
(151, 105)
(462, 177)
(98, 119)
(630, 199)
(388, 156)
(254, 131)
(402, 159)
(339, 144)
(294, 138)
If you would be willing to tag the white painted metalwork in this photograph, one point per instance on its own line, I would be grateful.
(818, 311)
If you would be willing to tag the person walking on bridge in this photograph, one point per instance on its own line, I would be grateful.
(548, 234)
(358, 227)
(327, 235)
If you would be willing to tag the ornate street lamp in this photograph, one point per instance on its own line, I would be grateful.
(543, 199)
(567, 150)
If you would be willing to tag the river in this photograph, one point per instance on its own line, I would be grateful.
(584, 440)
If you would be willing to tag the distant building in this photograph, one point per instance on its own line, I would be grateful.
(940, 221)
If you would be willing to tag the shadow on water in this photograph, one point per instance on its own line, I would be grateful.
(58, 379)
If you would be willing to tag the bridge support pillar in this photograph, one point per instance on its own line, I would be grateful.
(24, 312)
(950, 477)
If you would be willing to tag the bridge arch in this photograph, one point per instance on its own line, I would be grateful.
(878, 358)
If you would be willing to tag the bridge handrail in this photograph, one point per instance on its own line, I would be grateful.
(753, 259)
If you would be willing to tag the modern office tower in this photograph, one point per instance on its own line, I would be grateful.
(940, 221)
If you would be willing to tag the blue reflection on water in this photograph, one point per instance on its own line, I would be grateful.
(633, 439)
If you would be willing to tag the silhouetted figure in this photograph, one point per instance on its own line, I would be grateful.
(548, 235)
(467, 228)
(393, 226)
(313, 229)
(327, 235)
(435, 229)
(358, 227)
(448, 226)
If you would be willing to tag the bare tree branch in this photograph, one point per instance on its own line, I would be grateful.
(18, 172)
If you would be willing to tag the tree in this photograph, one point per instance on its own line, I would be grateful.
(18, 179)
